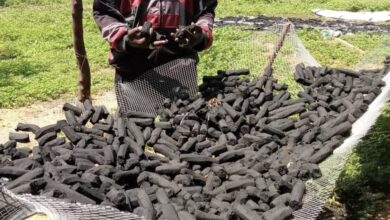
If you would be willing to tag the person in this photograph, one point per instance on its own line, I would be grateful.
(131, 53)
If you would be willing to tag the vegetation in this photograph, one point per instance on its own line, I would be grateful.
(36, 55)
(365, 179)
(37, 60)
(331, 52)
(295, 8)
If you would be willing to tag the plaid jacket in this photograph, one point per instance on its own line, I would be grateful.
(165, 16)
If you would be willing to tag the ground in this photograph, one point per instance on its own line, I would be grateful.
(45, 113)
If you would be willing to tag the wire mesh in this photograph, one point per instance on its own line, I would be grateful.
(16, 207)
(247, 47)
(147, 92)
(319, 190)
(374, 57)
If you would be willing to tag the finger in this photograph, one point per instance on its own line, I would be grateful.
(134, 31)
(187, 41)
(140, 41)
(160, 43)
(173, 35)
(151, 31)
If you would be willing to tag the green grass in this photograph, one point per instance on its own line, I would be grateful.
(294, 8)
(36, 55)
(367, 171)
(37, 60)
(330, 52)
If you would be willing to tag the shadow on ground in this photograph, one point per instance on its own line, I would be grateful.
(364, 184)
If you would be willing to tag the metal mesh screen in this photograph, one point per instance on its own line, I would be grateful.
(11, 207)
(16, 207)
(319, 190)
(147, 92)
(247, 47)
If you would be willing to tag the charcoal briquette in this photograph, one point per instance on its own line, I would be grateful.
(27, 127)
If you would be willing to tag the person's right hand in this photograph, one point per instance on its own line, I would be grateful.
(134, 39)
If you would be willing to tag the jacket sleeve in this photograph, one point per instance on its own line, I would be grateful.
(111, 23)
(205, 19)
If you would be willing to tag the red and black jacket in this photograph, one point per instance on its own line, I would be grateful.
(165, 16)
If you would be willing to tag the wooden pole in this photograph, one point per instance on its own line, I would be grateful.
(278, 45)
(84, 78)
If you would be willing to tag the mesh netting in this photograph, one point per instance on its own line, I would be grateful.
(250, 48)
(319, 190)
(147, 92)
(374, 57)
(16, 207)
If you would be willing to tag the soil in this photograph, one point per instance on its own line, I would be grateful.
(44, 113)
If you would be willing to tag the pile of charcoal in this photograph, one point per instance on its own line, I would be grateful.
(241, 149)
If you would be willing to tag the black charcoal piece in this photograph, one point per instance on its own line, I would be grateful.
(27, 127)
(278, 213)
(340, 129)
(19, 137)
(117, 197)
(134, 147)
(158, 180)
(121, 126)
(162, 196)
(170, 169)
(136, 132)
(154, 136)
(197, 158)
(297, 195)
(70, 134)
(126, 176)
(169, 212)
(188, 145)
(122, 153)
(207, 216)
(12, 172)
(69, 107)
(166, 151)
(202, 145)
(89, 192)
(244, 212)
(281, 200)
(230, 110)
(143, 122)
(25, 178)
(45, 130)
(46, 138)
(163, 125)
(109, 155)
(321, 154)
(103, 127)
(70, 118)
(134, 114)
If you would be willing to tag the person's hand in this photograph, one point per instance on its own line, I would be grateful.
(137, 39)
(188, 36)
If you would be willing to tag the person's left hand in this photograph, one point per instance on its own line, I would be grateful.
(188, 36)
